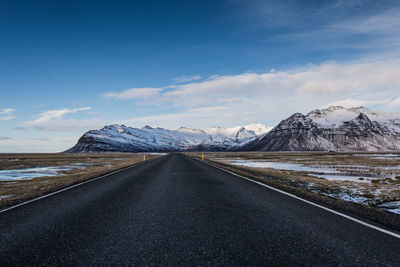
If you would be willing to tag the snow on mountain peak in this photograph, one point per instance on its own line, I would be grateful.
(336, 115)
(126, 139)
(258, 128)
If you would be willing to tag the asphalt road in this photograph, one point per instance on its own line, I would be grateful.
(178, 211)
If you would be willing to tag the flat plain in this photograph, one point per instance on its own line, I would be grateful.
(27, 176)
(370, 179)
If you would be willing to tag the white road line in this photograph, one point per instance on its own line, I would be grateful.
(72, 186)
(309, 202)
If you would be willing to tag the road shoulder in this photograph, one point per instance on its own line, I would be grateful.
(368, 214)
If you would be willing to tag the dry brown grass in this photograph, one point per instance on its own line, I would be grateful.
(373, 193)
(22, 190)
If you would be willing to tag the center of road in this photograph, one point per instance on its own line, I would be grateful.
(176, 210)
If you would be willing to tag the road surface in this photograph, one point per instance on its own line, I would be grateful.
(176, 210)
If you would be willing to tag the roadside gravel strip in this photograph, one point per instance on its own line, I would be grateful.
(176, 211)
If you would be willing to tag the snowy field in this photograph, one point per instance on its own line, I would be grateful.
(31, 173)
(367, 178)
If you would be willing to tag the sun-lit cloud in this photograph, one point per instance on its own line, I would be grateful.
(325, 80)
(48, 115)
(395, 102)
(269, 97)
(54, 120)
(351, 103)
(7, 114)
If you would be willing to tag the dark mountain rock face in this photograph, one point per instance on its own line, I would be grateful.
(362, 134)
(297, 133)
(331, 129)
(119, 138)
(322, 131)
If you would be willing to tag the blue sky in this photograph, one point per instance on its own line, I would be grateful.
(70, 66)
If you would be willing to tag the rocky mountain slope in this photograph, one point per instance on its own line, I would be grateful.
(333, 129)
(120, 138)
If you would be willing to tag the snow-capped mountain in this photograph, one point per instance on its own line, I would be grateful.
(333, 129)
(120, 138)
(336, 115)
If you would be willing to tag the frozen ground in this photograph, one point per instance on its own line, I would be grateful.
(30, 173)
(393, 206)
(26, 176)
(367, 178)
(5, 196)
(329, 172)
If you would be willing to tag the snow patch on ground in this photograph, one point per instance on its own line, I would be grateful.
(4, 197)
(31, 173)
(328, 172)
(154, 153)
(393, 206)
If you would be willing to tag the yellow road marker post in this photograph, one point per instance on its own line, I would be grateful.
(202, 156)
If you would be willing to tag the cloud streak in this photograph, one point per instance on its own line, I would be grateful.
(371, 83)
(134, 93)
(185, 79)
(6, 114)
(53, 120)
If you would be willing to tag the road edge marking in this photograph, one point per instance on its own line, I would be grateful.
(75, 185)
(307, 201)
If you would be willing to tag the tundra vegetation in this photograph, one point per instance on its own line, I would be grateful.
(27, 176)
(371, 179)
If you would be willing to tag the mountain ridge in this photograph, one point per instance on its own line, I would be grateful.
(335, 128)
(120, 138)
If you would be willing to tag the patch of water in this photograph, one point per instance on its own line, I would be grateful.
(328, 172)
(31, 173)
(378, 155)
(4, 197)
(393, 206)
(349, 197)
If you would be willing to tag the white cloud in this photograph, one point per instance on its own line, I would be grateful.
(26, 144)
(7, 111)
(53, 120)
(48, 115)
(351, 103)
(19, 128)
(185, 79)
(376, 32)
(6, 114)
(42, 139)
(269, 97)
(133, 93)
(328, 79)
(395, 102)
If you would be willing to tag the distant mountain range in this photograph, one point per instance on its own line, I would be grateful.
(120, 138)
(332, 129)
